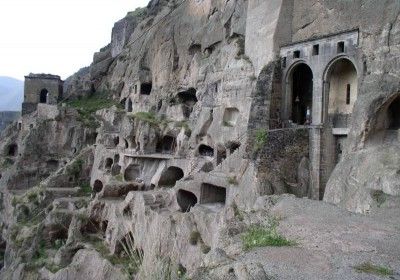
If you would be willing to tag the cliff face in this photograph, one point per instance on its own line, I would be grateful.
(171, 157)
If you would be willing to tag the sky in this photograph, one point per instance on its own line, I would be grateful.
(56, 36)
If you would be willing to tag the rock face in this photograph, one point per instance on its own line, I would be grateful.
(198, 125)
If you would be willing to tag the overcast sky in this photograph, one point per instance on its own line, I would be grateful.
(56, 36)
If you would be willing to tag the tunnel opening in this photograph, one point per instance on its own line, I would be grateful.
(212, 194)
(98, 186)
(302, 94)
(186, 200)
(146, 88)
(132, 172)
(166, 145)
(170, 176)
(188, 99)
(206, 151)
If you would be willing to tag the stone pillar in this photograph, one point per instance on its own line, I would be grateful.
(315, 159)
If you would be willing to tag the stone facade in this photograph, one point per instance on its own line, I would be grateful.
(41, 88)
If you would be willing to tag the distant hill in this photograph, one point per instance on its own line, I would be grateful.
(11, 94)
(8, 117)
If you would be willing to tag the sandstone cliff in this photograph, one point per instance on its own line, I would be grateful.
(171, 157)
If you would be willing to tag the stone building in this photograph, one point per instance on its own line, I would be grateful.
(41, 88)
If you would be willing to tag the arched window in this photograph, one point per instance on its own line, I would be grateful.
(43, 96)
(341, 92)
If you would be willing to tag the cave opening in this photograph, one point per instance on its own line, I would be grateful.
(186, 200)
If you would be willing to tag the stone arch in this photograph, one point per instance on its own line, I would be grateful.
(98, 186)
(186, 200)
(386, 121)
(170, 176)
(43, 97)
(132, 172)
(340, 91)
(299, 93)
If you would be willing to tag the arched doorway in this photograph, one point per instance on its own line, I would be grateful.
(341, 88)
(300, 85)
(170, 176)
(43, 96)
(186, 200)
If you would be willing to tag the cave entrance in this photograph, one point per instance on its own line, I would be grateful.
(188, 99)
(130, 105)
(132, 172)
(186, 200)
(206, 151)
(146, 88)
(212, 194)
(230, 117)
(109, 162)
(301, 86)
(166, 145)
(12, 150)
(43, 96)
(170, 176)
(98, 186)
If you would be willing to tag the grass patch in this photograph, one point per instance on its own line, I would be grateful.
(152, 119)
(374, 269)
(260, 139)
(85, 189)
(75, 168)
(88, 106)
(232, 181)
(262, 236)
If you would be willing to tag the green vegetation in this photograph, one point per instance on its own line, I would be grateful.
(232, 181)
(260, 139)
(185, 125)
(227, 124)
(139, 12)
(379, 196)
(119, 178)
(374, 269)
(262, 236)
(88, 106)
(194, 237)
(152, 119)
(85, 189)
(75, 168)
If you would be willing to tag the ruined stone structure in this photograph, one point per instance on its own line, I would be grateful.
(216, 116)
(41, 89)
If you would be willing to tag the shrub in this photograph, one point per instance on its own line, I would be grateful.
(260, 139)
(75, 168)
(261, 236)
(232, 181)
(374, 269)
(194, 237)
